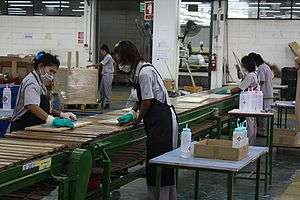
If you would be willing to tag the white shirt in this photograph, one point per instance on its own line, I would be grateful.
(152, 86)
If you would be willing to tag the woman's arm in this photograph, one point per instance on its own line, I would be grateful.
(235, 90)
(38, 112)
(145, 104)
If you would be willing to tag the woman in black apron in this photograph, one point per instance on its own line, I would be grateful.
(33, 102)
(157, 114)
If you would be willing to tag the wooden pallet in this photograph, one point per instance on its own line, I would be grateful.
(81, 106)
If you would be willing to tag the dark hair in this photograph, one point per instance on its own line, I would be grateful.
(128, 53)
(248, 63)
(257, 58)
(46, 59)
(56, 61)
(105, 48)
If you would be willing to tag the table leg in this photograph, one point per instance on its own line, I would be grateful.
(285, 118)
(230, 178)
(278, 119)
(271, 150)
(257, 179)
(266, 180)
(280, 116)
(196, 184)
(230, 129)
(158, 180)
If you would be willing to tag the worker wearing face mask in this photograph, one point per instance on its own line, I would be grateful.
(33, 101)
(159, 117)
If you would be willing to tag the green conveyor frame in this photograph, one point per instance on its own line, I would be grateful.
(71, 169)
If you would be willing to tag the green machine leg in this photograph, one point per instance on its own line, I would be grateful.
(106, 178)
(79, 171)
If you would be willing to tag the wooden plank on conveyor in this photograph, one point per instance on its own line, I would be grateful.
(50, 138)
(17, 153)
(60, 135)
(5, 163)
(28, 142)
(17, 158)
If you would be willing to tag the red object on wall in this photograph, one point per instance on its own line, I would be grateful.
(213, 62)
(148, 13)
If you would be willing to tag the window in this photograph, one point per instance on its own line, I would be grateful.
(49, 7)
(73, 8)
(199, 12)
(242, 9)
(3, 10)
(296, 9)
(20, 7)
(42, 7)
(275, 9)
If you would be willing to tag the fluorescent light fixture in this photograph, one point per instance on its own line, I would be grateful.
(272, 11)
(75, 10)
(270, 3)
(14, 8)
(21, 5)
(55, 2)
(285, 8)
(51, 2)
(81, 7)
(81, 2)
(19, 1)
(39, 14)
(17, 11)
(56, 6)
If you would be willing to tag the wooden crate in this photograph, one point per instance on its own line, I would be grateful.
(77, 86)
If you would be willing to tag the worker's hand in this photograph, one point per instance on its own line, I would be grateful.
(57, 122)
(68, 115)
(127, 118)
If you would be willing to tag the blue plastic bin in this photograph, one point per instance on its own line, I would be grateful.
(5, 116)
(14, 93)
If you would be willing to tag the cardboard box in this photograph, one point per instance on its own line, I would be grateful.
(286, 137)
(219, 149)
(192, 89)
(169, 84)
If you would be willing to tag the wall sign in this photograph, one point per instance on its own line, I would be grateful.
(149, 8)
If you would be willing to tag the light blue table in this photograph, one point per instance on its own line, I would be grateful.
(172, 159)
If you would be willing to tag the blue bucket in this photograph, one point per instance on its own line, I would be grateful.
(5, 116)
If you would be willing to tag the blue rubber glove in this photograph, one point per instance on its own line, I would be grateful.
(129, 117)
(57, 122)
(222, 90)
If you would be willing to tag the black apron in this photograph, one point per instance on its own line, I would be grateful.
(159, 130)
(29, 119)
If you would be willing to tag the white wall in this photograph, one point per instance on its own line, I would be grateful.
(165, 34)
(55, 34)
(270, 38)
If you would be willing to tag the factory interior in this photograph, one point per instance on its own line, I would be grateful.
(149, 99)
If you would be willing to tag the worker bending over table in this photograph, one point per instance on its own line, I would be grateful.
(33, 102)
(155, 110)
(249, 82)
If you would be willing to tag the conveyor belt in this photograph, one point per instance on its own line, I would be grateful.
(22, 147)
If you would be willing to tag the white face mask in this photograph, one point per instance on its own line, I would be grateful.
(47, 76)
(125, 68)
